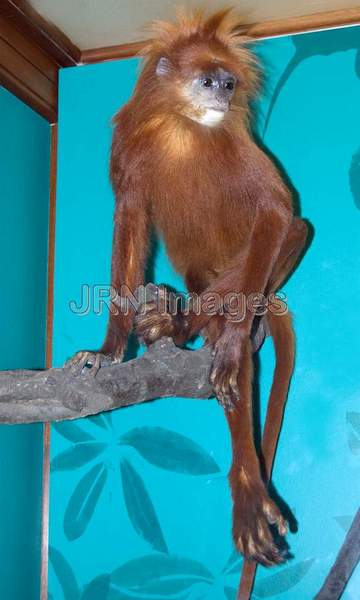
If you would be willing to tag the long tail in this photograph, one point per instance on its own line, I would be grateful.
(282, 332)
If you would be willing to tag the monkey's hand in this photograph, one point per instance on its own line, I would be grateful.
(154, 321)
(256, 519)
(85, 359)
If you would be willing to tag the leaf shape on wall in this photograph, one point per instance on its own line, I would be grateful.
(354, 443)
(344, 521)
(322, 43)
(169, 587)
(83, 501)
(140, 508)
(77, 456)
(353, 420)
(357, 63)
(72, 432)
(64, 574)
(234, 563)
(354, 178)
(230, 593)
(97, 589)
(170, 450)
(108, 417)
(99, 421)
(282, 581)
(116, 594)
(141, 572)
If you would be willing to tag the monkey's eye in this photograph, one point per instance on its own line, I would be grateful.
(229, 85)
(207, 82)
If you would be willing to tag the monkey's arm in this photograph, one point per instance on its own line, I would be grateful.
(130, 241)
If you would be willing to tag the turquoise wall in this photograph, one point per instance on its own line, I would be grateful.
(24, 199)
(140, 504)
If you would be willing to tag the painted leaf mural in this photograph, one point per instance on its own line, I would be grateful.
(230, 593)
(140, 508)
(97, 589)
(64, 574)
(354, 178)
(160, 575)
(72, 432)
(99, 421)
(162, 468)
(320, 43)
(170, 450)
(83, 502)
(77, 456)
(283, 581)
(234, 563)
(344, 521)
(353, 421)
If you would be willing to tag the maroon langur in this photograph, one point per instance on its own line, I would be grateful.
(184, 162)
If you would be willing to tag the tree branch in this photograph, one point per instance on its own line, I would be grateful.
(58, 394)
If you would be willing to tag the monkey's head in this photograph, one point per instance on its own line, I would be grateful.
(200, 67)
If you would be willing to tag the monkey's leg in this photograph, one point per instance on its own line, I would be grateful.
(289, 254)
(283, 337)
(130, 241)
(253, 510)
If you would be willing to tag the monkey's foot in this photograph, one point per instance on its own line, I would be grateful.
(256, 518)
(155, 321)
(89, 360)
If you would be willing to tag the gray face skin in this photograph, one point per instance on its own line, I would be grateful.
(213, 90)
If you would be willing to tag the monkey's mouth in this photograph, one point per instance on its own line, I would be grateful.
(221, 107)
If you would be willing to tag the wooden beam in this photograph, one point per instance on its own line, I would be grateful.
(48, 362)
(314, 22)
(289, 26)
(42, 33)
(96, 55)
(27, 71)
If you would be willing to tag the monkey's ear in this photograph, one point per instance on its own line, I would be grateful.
(163, 67)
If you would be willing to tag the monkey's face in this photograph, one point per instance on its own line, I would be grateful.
(205, 94)
(210, 95)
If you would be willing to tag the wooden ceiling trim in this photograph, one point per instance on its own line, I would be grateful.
(289, 26)
(27, 95)
(325, 20)
(26, 48)
(45, 35)
(31, 53)
(27, 72)
(112, 52)
(24, 69)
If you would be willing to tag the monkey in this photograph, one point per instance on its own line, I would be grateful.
(185, 163)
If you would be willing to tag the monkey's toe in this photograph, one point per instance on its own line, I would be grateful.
(255, 517)
(224, 382)
(86, 359)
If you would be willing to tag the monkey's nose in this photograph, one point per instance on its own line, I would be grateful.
(222, 101)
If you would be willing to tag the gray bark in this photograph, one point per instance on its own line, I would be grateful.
(58, 394)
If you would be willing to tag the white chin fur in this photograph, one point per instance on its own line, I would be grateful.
(210, 117)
